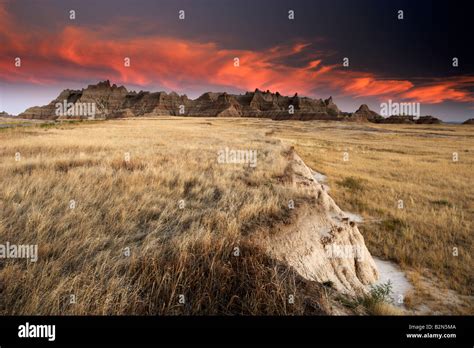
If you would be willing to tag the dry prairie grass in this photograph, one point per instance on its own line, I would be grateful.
(174, 250)
(388, 163)
(135, 204)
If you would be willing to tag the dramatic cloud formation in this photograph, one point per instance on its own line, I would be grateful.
(90, 54)
(454, 89)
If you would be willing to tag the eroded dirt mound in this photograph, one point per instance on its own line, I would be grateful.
(324, 244)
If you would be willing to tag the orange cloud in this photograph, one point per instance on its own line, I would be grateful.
(370, 86)
(78, 54)
(454, 89)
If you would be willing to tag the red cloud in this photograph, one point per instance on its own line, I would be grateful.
(454, 89)
(76, 53)
(370, 86)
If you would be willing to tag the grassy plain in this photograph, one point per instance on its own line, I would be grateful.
(418, 204)
(153, 189)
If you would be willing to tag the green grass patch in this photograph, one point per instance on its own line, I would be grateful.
(352, 183)
(393, 224)
(378, 294)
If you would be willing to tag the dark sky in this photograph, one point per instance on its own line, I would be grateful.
(402, 60)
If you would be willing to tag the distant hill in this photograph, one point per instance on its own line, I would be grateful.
(105, 101)
(5, 114)
(411, 120)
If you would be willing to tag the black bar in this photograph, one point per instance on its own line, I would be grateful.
(290, 331)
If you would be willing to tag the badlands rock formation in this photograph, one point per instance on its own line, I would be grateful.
(364, 113)
(324, 245)
(111, 101)
(411, 120)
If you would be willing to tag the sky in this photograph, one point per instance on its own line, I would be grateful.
(402, 60)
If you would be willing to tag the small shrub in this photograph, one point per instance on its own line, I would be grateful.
(373, 301)
(380, 293)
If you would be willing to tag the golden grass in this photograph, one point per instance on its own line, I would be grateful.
(388, 163)
(177, 252)
(136, 204)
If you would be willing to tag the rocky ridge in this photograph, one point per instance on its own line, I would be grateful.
(111, 101)
(324, 244)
